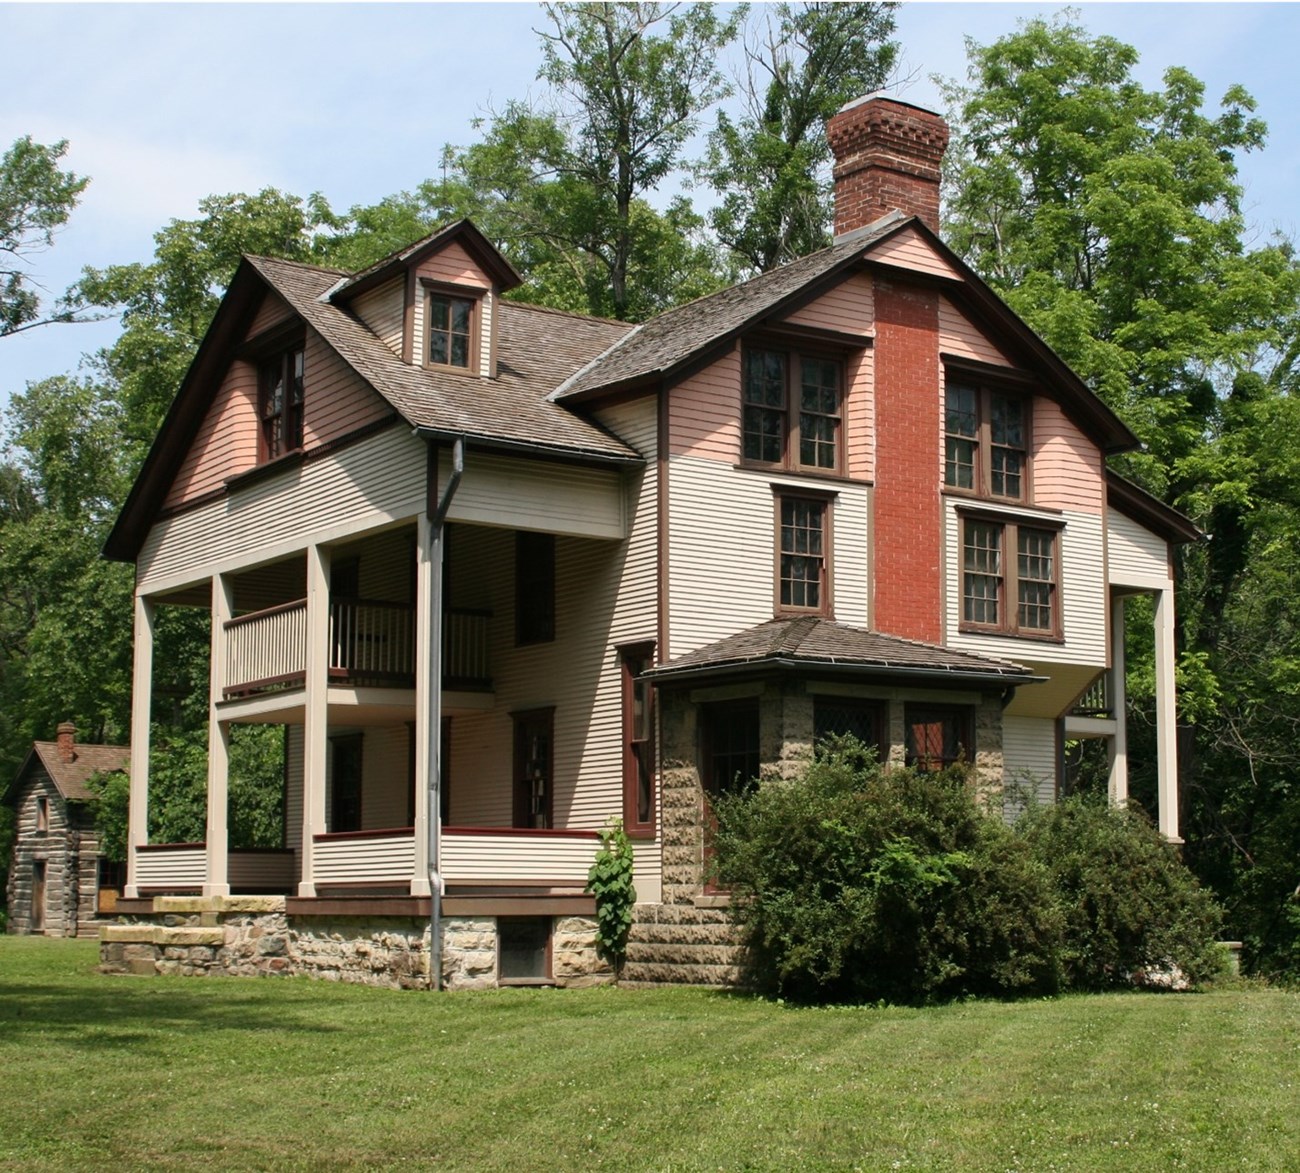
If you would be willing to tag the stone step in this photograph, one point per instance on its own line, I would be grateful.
(162, 935)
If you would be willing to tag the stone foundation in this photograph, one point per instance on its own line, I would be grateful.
(252, 936)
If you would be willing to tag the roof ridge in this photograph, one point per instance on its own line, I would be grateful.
(333, 270)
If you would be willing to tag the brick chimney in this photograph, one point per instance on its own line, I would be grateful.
(887, 156)
(67, 741)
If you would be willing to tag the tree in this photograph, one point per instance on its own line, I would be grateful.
(1109, 217)
(36, 198)
(771, 166)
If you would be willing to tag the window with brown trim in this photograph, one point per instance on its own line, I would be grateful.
(803, 545)
(791, 411)
(729, 745)
(938, 736)
(1010, 577)
(534, 587)
(638, 739)
(281, 388)
(534, 738)
(450, 329)
(835, 716)
(986, 440)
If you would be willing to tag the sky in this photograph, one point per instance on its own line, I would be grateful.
(163, 104)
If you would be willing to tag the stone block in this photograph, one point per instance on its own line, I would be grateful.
(185, 904)
(250, 904)
(142, 967)
(189, 935)
(127, 933)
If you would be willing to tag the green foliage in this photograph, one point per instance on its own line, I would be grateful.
(853, 885)
(771, 166)
(113, 793)
(1128, 904)
(36, 198)
(610, 882)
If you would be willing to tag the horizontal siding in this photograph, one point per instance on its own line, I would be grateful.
(373, 482)
(1135, 556)
(647, 871)
(453, 264)
(383, 310)
(293, 801)
(385, 778)
(1082, 596)
(273, 310)
(849, 307)
(261, 870)
(226, 443)
(522, 494)
(704, 412)
(467, 858)
(364, 860)
(178, 865)
(721, 561)
(1067, 466)
(336, 400)
(909, 251)
(860, 417)
(1029, 757)
(960, 336)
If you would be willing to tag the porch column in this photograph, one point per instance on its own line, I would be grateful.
(1166, 717)
(423, 683)
(316, 711)
(137, 826)
(217, 882)
(1118, 786)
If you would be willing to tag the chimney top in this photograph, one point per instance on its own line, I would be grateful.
(887, 156)
(67, 737)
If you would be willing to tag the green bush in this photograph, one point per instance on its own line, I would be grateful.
(1132, 912)
(853, 885)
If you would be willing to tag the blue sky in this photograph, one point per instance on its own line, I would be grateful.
(163, 104)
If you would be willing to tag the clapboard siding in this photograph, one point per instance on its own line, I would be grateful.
(469, 858)
(860, 416)
(909, 251)
(704, 412)
(847, 307)
(336, 400)
(226, 443)
(452, 265)
(385, 777)
(958, 335)
(1082, 596)
(1135, 557)
(273, 310)
(1029, 758)
(383, 310)
(368, 484)
(721, 560)
(1067, 466)
(293, 798)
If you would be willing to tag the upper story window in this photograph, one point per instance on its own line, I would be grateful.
(451, 330)
(1010, 577)
(986, 441)
(803, 553)
(280, 399)
(42, 813)
(792, 410)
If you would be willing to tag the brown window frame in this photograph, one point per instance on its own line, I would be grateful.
(825, 606)
(791, 410)
(1007, 597)
(529, 809)
(638, 740)
(280, 428)
(963, 720)
(474, 299)
(984, 451)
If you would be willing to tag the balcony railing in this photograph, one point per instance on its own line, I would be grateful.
(1097, 701)
(370, 642)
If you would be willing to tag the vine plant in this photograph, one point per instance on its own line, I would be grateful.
(610, 881)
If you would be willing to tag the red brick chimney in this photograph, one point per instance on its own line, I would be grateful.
(67, 741)
(887, 156)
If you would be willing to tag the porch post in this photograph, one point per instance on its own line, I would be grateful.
(137, 827)
(316, 711)
(217, 882)
(1118, 786)
(423, 684)
(1166, 717)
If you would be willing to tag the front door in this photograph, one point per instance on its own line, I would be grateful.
(38, 896)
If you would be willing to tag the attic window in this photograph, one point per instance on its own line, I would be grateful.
(280, 398)
(451, 329)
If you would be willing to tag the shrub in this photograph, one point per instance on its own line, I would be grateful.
(1132, 912)
(854, 885)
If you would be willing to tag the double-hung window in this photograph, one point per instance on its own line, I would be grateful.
(638, 739)
(986, 440)
(803, 552)
(451, 329)
(281, 381)
(1010, 575)
(792, 410)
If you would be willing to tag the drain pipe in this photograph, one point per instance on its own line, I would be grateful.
(433, 712)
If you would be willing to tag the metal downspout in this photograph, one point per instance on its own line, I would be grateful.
(434, 713)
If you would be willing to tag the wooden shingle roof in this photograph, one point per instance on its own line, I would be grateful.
(70, 777)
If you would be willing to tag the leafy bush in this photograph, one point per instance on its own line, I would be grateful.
(1131, 910)
(610, 880)
(853, 885)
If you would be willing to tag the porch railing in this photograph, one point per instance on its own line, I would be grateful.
(370, 642)
(364, 857)
(170, 865)
(1097, 701)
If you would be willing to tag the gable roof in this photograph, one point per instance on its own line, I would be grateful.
(1147, 510)
(810, 644)
(70, 778)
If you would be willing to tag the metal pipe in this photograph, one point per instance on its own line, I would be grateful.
(434, 712)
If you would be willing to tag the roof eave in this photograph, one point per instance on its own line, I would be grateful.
(759, 665)
(1147, 510)
(560, 453)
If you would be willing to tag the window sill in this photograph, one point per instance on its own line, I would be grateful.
(712, 900)
(780, 470)
(1038, 637)
(447, 369)
(968, 499)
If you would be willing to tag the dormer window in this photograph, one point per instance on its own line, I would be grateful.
(451, 329)
(791, 405)
(281, 383)
(986, 441)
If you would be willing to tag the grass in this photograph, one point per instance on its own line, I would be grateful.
(134, 1073)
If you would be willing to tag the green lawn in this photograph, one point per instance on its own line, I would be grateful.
(100, 1072)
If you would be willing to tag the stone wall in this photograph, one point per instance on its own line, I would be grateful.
(249, 936)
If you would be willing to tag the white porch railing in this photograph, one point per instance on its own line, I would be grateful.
(170, 865)
(265, 648)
